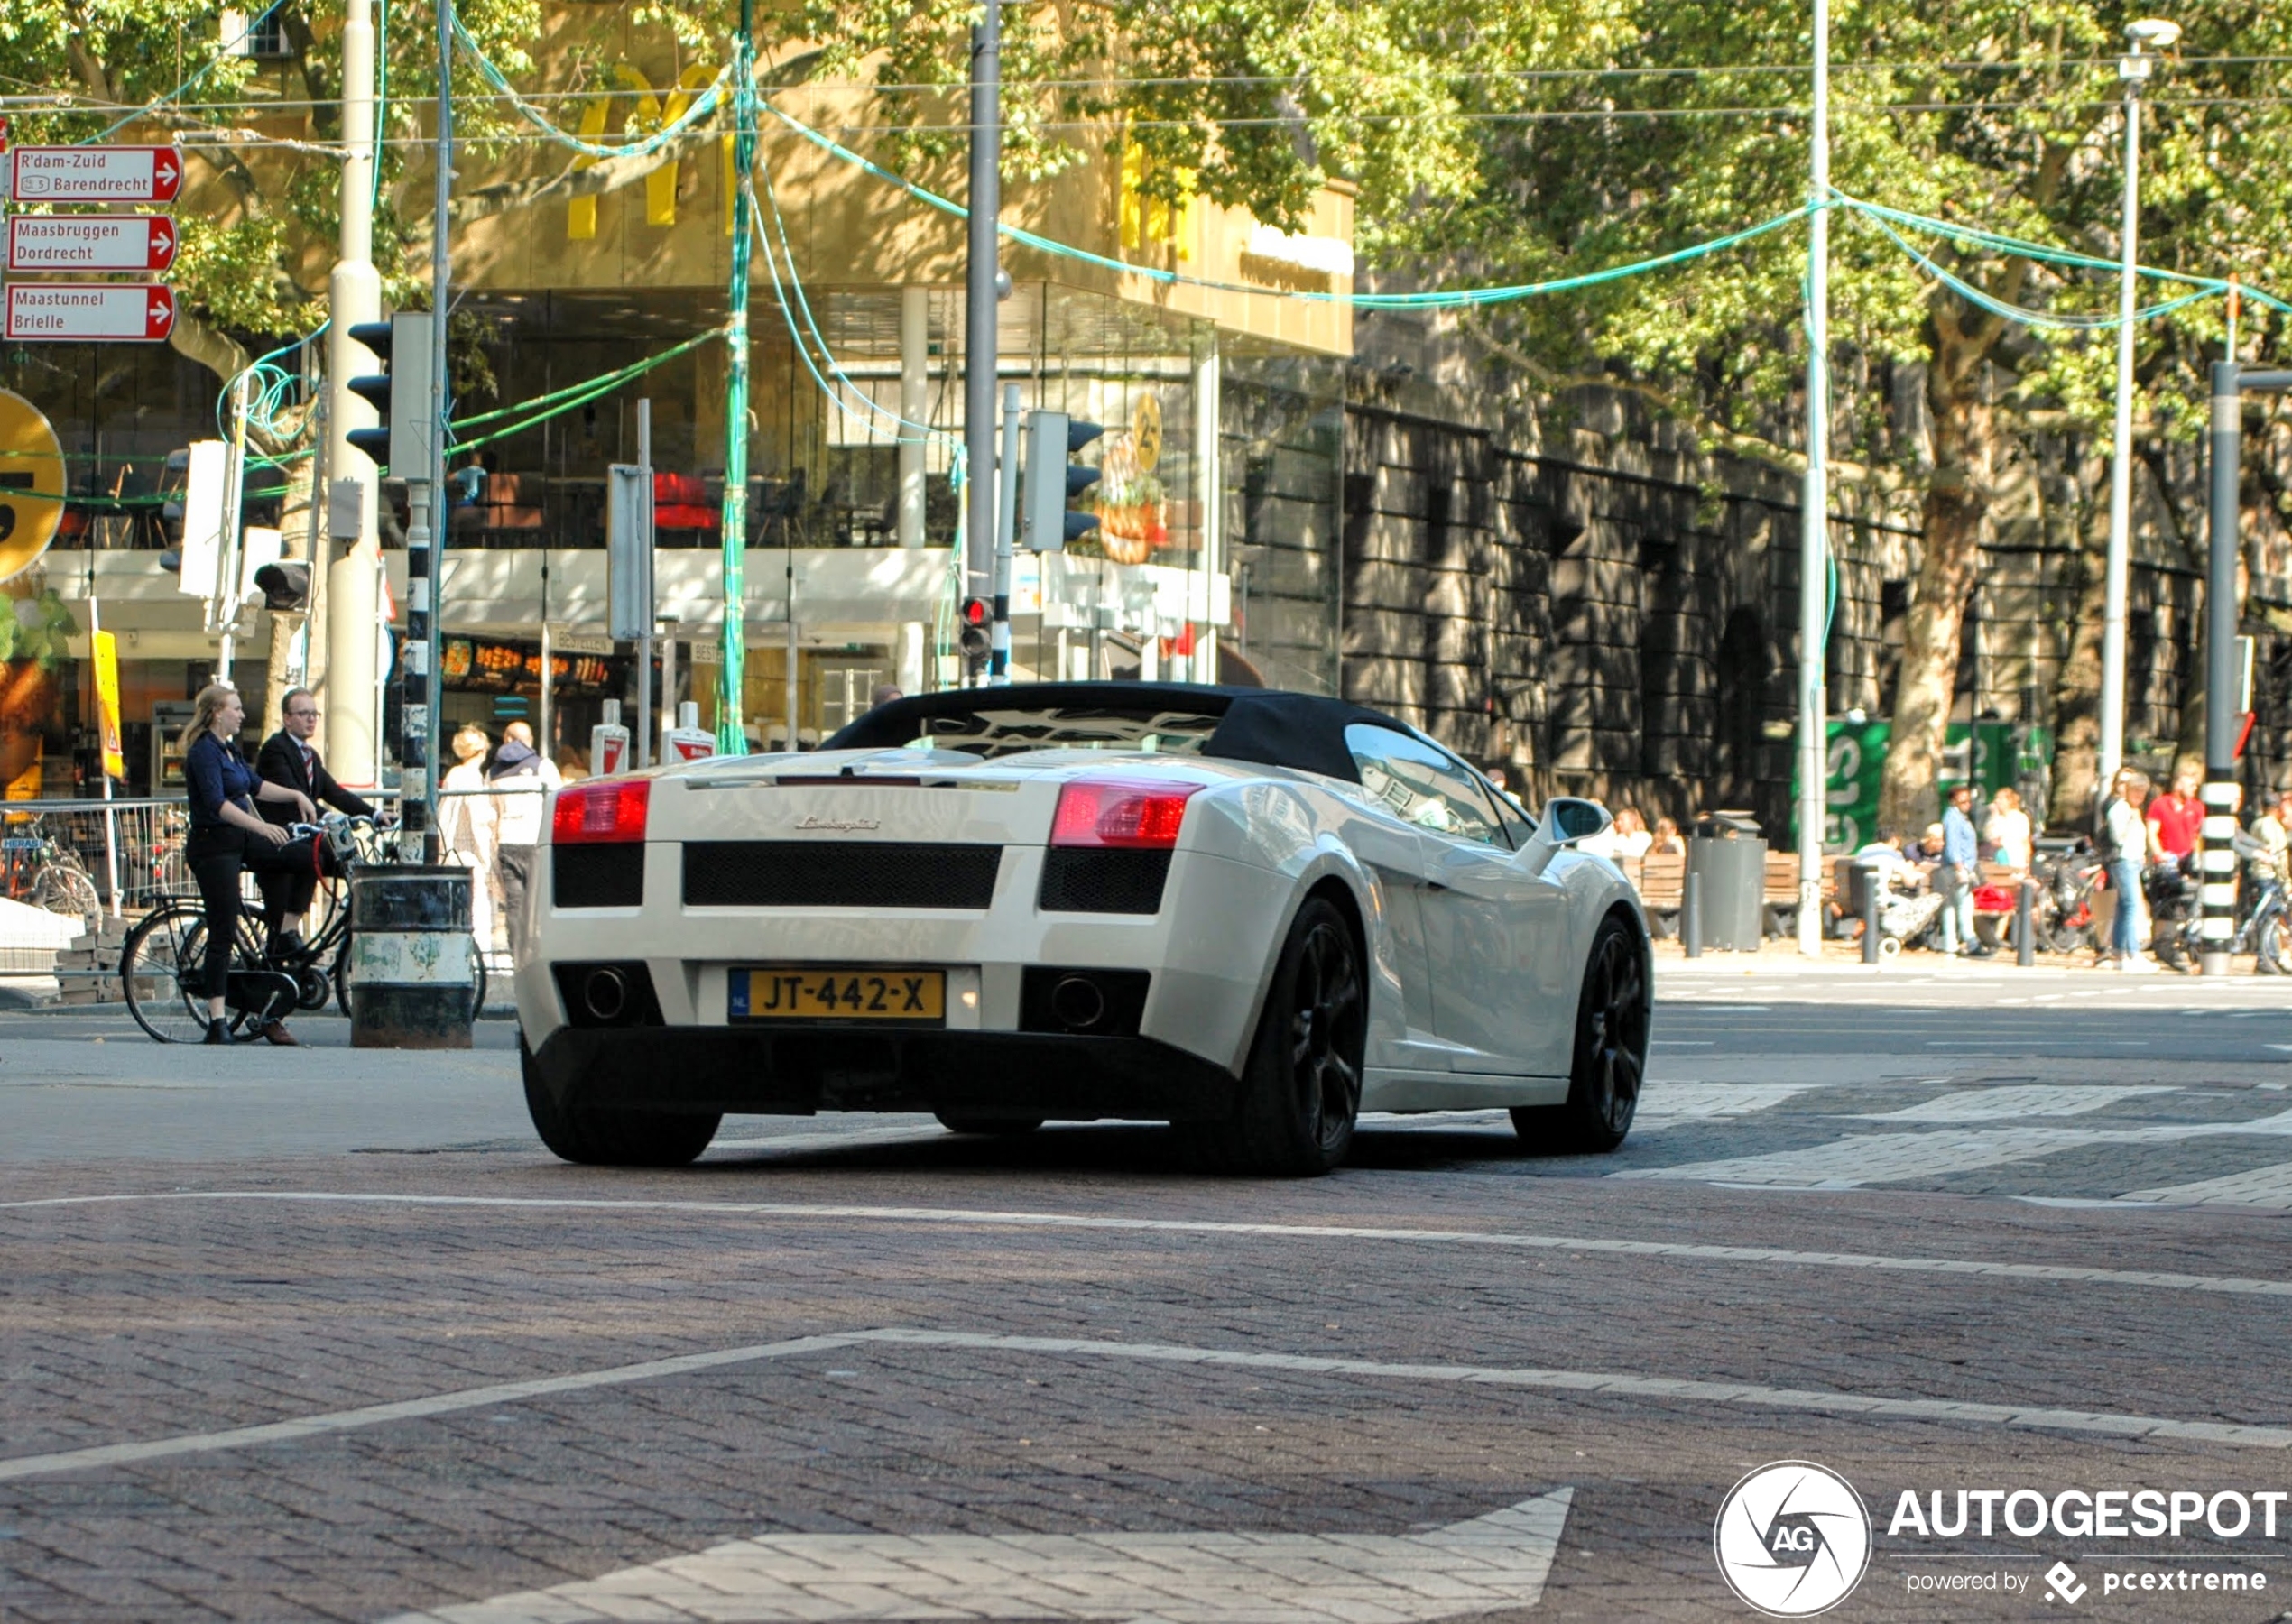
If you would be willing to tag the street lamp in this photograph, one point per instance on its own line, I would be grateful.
(2147, 35)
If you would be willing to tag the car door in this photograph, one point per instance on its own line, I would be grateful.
(1495, 932)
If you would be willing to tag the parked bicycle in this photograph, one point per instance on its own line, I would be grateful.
(162, 964)
(48, 875)
(2262, 926)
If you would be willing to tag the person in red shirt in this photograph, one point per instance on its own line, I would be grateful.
(2177, 816)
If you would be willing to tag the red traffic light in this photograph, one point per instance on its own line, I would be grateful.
(972, 618)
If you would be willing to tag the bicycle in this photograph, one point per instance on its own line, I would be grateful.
(162, 965)
(48, 875)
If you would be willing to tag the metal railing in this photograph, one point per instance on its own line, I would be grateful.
(131, 849)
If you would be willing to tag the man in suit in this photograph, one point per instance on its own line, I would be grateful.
(287, 758)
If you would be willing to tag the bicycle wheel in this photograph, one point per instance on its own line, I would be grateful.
(64, 888)
(160, 970)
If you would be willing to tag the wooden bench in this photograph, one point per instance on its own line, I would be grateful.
(1661, 880)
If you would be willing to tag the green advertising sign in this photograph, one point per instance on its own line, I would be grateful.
(1999, 754)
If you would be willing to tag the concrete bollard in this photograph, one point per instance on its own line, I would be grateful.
(2025, 925)
(1873, 895)
(412, 982)
(1691, 915)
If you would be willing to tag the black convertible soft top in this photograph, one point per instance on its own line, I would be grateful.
(1269, 725)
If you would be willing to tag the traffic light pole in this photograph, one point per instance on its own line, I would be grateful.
(1006, 521)
(2216, 894)
(980, 348)
(433, 469)
(342, 668)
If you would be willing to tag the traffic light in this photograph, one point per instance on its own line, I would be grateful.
(400, 393)
(285, 584)
(1048, 522)
(974, 619)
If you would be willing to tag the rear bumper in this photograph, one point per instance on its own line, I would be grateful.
(798, 1070)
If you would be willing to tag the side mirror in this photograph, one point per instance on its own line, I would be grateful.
(1568, 819)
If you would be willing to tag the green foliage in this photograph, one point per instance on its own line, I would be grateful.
(2002, 115)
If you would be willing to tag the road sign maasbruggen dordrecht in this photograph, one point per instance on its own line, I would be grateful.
(82, 244)
(95, 174)
(74, 243)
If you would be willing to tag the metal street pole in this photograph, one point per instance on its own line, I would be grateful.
(732, 678)
(426, 481)
(1813, 538)
(1006, 521)
(979, 337)
(644, 639)
(341, 668)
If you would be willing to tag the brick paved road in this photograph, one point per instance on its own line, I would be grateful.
(874, 1371)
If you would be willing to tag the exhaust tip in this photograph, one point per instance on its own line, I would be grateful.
(606, 994)
(1078, 1003)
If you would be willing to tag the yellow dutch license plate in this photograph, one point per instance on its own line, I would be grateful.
(838, 993)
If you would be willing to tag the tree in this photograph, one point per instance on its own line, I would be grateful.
(1999, 115)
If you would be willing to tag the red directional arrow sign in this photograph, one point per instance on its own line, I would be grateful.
(96, 174)
(91, 242)
(90, 312)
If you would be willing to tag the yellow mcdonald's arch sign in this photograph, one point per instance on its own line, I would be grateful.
(646, 109)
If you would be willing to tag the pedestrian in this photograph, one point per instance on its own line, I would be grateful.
(228, 838)
(466, 823)
(1666, 839)
(288, 758)
(1960, 872)
(2123, 840)
(1631, 836)
(2273, 829)
(883, 694)
(522, 778)
(2177, 816)
(2008, 831)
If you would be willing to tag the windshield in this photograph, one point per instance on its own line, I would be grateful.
(989, 730)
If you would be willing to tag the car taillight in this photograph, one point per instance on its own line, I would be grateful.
(602, 813)
(1109, 812)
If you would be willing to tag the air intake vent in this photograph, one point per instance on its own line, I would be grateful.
(1102, 880)
(838, 873)
(597, 876)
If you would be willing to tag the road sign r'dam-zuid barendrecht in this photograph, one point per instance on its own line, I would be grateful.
(68, 244)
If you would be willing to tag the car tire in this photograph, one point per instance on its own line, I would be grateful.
(1002, 1127)
(613, 1139)
(1610, 1052)
(1300, 1092)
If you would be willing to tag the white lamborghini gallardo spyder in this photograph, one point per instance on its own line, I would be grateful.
(1248, 913)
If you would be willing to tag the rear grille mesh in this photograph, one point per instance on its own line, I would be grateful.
(597, 876)
(842, 874)
(1088, 879)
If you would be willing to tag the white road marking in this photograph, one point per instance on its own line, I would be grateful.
(1604, 1384)
(1492, 1562)
(1887, 1157)
(1699, 1101)
(2269, 1187)
(2144, 1279)
(834, 1139)
(2029, 1100)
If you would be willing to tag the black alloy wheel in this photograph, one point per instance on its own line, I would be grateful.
(1300, 1091)
(1611, 1056)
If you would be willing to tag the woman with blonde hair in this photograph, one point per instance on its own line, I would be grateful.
(227, 838)
(467, 819)
(2008, 830)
